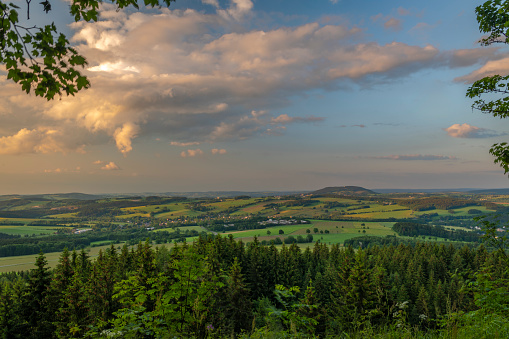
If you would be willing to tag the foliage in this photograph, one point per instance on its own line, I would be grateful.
(39, 58)
(218, 287)
(493, 19)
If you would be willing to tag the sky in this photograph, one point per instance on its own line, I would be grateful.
(261, 95)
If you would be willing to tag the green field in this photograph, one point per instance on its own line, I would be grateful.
(28, 230)
(27, 262)
(183, 229)
(339, 231)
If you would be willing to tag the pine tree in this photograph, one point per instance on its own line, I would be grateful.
(35, 305)
(239, 311)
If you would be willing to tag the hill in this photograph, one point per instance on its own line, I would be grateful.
(344, 190)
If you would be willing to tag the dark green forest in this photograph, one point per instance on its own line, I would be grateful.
(221, 288)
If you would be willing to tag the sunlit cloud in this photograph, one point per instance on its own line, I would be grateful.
(470, 131)
(111, 166)
(490, 68)
(63, 170)
(39, 140)
(218, 151)
(214, 82)
(124, 135)
(190, 153)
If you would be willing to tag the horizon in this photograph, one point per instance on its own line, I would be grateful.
(147, 193)
(248, 96)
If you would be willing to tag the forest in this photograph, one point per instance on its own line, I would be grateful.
(217, 287)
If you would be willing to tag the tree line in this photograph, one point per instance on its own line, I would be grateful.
(218, 287)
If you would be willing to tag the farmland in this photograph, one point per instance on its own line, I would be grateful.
(26, 221)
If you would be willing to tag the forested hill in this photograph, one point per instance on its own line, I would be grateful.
(343, 190)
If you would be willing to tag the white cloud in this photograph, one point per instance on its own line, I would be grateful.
(214, 3)
(469, 131)
(237, 10)
(111, 166)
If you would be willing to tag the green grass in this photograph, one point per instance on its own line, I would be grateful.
(27, 262)
(22, 230)
(339, 231)
(183, 229)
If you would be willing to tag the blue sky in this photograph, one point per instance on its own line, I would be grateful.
(262, 95)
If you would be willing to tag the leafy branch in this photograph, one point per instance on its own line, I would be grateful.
(42, 60)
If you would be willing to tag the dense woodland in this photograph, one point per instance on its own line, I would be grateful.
(218, 287)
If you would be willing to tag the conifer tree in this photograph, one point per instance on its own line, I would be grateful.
(35, 306)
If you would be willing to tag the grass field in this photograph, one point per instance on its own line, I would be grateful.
(183, 229)
(28, 230)
(339, 231)
(27, 262)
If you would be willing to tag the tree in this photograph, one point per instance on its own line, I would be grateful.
(40, 58)
(37, 319)
(493, 19)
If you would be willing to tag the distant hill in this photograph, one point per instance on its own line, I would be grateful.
(344, 190)
(53, 196)
(494, 191)
(422, 190)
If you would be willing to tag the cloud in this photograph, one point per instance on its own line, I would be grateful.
(358, 125)
(184, 144)
(111, 166)
(98, 162)
(182, 73)
(422, 26)
(237, 10)
(388, 22)
(218, 151)
(403, 11)
(124, 135)
(63, 170)
(393, 24)
(191, 153)
(416, 157)
(214, 3)
(286, 119)
(490, 68)
(39, 140)
(469, 131)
